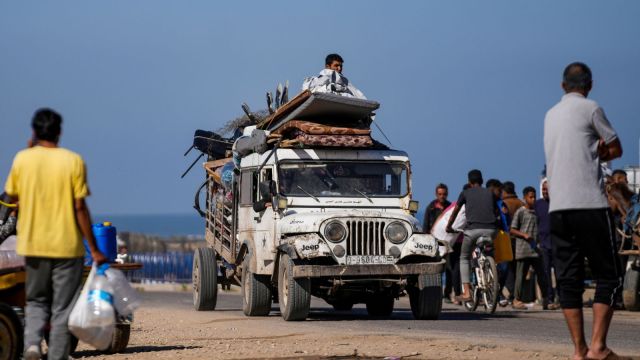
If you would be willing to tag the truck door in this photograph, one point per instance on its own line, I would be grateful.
(256, 227)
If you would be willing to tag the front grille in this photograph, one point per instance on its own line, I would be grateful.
(366, 237)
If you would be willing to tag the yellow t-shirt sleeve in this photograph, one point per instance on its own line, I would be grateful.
(11, 186)
(80, 187)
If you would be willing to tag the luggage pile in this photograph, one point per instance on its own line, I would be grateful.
(309, 120)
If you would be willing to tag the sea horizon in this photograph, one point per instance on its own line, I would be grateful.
(164, 225)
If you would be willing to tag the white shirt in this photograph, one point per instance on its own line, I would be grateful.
(331, 81)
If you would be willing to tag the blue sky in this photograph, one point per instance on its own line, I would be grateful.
(463, 84)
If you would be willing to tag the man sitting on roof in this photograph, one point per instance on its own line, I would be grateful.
(331, 80)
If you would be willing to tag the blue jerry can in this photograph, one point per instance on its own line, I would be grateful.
(105, 234)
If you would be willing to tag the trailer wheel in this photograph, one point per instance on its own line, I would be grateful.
(256, 291)
(10, 334)
(205, 279)
(294, 294)
(426, 297)
(380, 305)
(120, 338)
(631, 290)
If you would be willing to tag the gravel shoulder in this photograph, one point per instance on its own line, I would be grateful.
(167, 327)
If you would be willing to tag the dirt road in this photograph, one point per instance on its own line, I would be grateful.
(167, 327)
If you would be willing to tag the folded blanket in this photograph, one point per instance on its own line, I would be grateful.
(302, 138)
(313, 128)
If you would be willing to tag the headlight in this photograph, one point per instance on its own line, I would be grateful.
(335, 231)
(396, 233)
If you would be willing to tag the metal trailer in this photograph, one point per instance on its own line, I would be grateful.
(12, 293)
(631, 286)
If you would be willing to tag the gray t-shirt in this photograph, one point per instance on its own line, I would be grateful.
(481, 208)
(526, 221)
(572, 129)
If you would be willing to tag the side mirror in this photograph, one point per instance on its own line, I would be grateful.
(260, 206)
(414, 206)
(266, 189)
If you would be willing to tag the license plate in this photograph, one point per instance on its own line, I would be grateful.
(369, 259)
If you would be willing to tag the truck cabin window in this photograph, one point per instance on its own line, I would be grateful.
(343, 179)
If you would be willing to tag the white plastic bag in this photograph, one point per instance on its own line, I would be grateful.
(439, 229)
(125, 297)
(92, 319)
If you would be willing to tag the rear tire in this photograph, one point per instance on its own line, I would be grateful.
(256, 291)
(294, 295)
(426, 297)
(381, 305)
(631, 290)
(11, 333)
(490, 294)
(342, 305)
(205, 279)
(475, 293)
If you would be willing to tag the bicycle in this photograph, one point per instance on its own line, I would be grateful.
(484, 277)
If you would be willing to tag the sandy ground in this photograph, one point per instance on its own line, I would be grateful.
(167, 327)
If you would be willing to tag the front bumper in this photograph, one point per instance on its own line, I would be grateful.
(316, 271)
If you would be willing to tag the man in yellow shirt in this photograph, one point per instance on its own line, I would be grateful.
(50, 184)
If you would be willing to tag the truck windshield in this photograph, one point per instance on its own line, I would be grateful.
(343, 179)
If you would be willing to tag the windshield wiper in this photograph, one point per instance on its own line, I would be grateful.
(363, 194)
(308, 193)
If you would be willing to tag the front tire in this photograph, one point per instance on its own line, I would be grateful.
(426, 298)
(294, 295)
(491, 291)
(255, 291)
(205, 279)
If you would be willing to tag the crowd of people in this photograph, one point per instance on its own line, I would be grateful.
(527, 221)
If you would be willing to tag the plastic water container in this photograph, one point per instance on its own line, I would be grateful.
(102, 313)
(125, 297)
(105, 234)
(101, 299)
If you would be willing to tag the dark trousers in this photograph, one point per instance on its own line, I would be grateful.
(51, 288)
(452, 272)
(507, 274)
(522, 267)
(576, 234)
(547, 262)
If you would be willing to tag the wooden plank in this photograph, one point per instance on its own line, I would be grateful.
(216, 163)
(629, 252)
(285, 109)
(122, 267)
